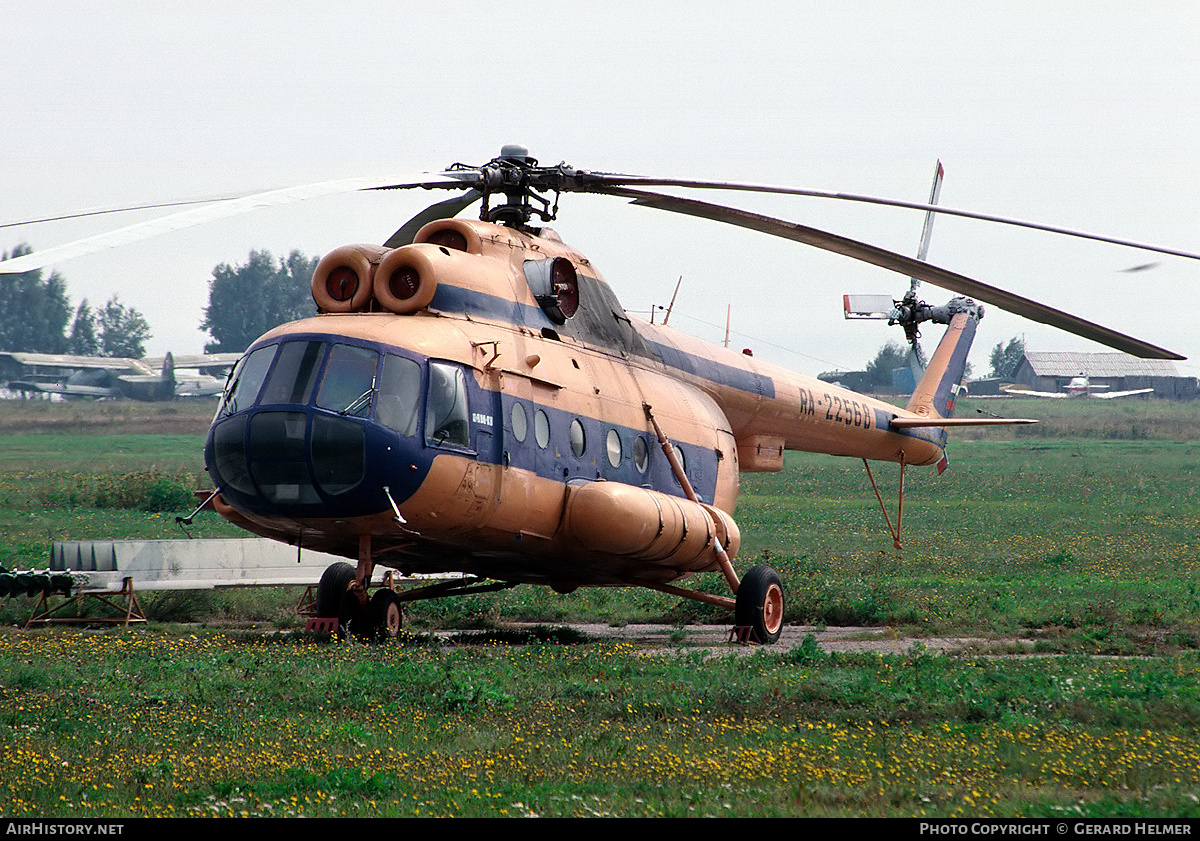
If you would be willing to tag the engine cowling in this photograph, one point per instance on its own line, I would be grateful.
(406, 279)
(343, 281)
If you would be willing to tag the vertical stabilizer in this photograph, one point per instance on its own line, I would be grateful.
(936, 392)
(166, 389)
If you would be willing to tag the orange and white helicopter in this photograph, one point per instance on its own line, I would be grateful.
(473, 398)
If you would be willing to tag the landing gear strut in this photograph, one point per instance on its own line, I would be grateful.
(381, 616)
(759, 602)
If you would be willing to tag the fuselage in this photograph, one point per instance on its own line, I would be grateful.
(503, 426)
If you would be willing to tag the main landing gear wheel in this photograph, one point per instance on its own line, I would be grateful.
(334, 581)
(760, 603)
(354, 619)
(387, 614)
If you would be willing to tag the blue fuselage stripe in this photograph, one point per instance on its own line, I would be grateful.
(713, 371)
(453, 299)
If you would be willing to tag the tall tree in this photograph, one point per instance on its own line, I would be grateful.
(248, 300)
(123, 330)
(33, 311)
(891, 356)
(83, 340)
(1006, 357)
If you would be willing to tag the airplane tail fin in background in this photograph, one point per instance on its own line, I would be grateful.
(168, 377)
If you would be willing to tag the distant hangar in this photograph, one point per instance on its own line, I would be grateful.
(1050, 371)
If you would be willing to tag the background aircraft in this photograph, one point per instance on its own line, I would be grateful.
(1078, 387)
(112, 377)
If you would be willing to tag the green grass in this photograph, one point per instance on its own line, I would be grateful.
(66, 452)
(1112, 420)
(203, 723)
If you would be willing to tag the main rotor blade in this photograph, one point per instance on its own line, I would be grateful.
(904, 265)
(447, 209)
(116, 208)
(601, 183)
(220, 210)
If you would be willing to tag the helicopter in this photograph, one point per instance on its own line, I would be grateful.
(473, 398)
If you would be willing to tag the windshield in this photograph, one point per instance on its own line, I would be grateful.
(247, 379)
(349, 381)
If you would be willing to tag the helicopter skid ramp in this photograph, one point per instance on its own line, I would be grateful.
(103, 565)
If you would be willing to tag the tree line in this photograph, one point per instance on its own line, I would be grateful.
(1004, 359)
(244, 302)
(37, 317)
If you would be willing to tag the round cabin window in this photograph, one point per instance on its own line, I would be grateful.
(520, 425)
(614, 448)
(578, 439)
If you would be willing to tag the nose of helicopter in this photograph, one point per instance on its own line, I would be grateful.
(284, 445)
(303, 463)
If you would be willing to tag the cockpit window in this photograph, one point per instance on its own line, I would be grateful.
(446, 409)
(294, 375)
(247, 379)
(399, 394)
(349, 381)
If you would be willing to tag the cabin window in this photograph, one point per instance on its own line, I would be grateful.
(613, 443)
(446, 408)
(520, 424)
(399, 395)
(578, 438)
(541, 428)
(349, 381)
(285, 483)
(294, 375)
(641, 454)
(247, 380)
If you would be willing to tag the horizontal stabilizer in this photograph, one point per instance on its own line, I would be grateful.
(910, 423)
(868, 306)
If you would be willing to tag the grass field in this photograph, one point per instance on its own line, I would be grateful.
(1079, 540)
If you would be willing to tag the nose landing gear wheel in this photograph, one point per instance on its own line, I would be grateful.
(334, 581)
(387, 614)
(760, 604)
(354, 620)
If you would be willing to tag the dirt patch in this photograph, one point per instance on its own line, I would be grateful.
(715, 639)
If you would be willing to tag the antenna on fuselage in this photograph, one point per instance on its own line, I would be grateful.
(672, 304)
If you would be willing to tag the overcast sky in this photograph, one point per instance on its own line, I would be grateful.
(1085, 115)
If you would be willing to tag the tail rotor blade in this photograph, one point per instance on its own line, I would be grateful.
(876, 307)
